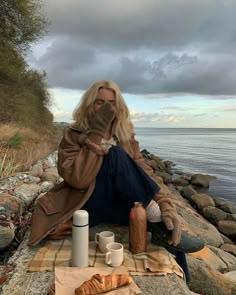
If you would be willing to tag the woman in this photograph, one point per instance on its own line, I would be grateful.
(104, 173)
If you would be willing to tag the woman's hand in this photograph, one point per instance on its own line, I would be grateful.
(170, 217)
(102, 119)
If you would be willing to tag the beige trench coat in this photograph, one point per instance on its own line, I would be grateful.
(78, 165)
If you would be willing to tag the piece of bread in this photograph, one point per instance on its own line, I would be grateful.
(103, 283)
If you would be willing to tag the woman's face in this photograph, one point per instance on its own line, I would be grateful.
(104, 96)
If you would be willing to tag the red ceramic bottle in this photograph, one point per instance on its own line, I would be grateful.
(137, 229)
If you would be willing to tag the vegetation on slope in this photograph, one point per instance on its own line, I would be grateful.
(26, 124)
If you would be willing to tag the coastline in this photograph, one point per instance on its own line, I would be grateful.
(216, 259)
(196, 150)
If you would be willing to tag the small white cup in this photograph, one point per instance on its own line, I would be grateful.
(115, 254)
(103, 238)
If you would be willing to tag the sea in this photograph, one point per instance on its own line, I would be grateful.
(197, 150)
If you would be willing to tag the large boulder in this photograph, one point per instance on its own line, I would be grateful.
(228, 228)
(208, 281)
(227, 258)
(213, 214)
(201, 227)
(201, 180)
(188, 191)
(230, 248)
(225, 205)
(202, 200)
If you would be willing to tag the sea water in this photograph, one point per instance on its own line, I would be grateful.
(197, 150)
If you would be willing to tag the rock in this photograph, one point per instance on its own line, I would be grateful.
(213, 214)
(231, 217)
(225, 205)
(46, 186)
(227, 258)
(188, 191)
(230, 208)
(180, 181)
(202, 201)
(51, 174)
(167, 178)
(231, 275)
(156, 158)
(210, 258)
(206, 280)
(27, 192)
(152, 164)
(8, 184)
(168, 164)
(199, 225)
(229, 248)
(32, 179)
(226, 239)
(228, 228)
(51, 160)
(201, 180)
(145, 153)
(37, 169)
(160, 165)
(178, 172)
(7, 234)
(11, 204)
(37, 283)
(169, 284)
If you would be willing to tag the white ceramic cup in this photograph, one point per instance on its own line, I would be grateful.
(115, 254)
(103, 238)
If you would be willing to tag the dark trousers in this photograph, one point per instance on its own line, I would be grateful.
(119, 183)
(180, 258)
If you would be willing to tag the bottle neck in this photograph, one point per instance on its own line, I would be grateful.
(138, 204)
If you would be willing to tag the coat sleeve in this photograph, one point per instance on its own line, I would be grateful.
(78, 162)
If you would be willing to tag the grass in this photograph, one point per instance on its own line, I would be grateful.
(21, 147)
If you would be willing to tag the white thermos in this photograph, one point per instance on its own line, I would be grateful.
(80, 238)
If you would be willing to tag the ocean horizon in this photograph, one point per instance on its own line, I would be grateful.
(196, 150)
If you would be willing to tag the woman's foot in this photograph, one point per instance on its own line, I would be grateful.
(161, 237)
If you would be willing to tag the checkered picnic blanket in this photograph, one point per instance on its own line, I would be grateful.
(156, 261)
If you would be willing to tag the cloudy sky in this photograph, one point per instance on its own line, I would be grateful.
(174, 60)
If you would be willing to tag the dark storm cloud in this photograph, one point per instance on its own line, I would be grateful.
(147, 47)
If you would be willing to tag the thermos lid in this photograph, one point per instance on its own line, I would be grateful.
(80, 218)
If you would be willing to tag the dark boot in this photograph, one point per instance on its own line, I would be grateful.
(160, 236)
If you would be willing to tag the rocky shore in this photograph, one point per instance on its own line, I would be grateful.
(213, 269)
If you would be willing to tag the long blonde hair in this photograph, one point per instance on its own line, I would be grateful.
(122, 128)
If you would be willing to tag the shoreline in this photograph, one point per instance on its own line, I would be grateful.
(200, 212)
(206, 151)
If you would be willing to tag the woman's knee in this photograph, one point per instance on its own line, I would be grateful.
(117, 151)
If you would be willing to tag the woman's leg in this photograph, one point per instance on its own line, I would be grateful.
(119, 183)
(180, 258)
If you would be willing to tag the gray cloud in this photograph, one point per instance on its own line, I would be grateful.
(147, 47)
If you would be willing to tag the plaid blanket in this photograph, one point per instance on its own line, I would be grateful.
(156, 261)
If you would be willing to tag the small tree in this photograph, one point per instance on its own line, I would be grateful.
(21, 23)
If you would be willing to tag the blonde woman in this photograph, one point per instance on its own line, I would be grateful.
(104, 173)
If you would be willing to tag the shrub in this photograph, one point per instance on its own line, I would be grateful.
(15, 141)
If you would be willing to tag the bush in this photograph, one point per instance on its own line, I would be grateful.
(15, 141)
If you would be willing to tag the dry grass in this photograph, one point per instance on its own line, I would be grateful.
(9, 130)
(35, 146)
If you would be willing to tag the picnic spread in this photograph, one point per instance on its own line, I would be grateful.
(55, 255)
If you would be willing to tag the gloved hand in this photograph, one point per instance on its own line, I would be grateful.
(170, 217)
(102, 119)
